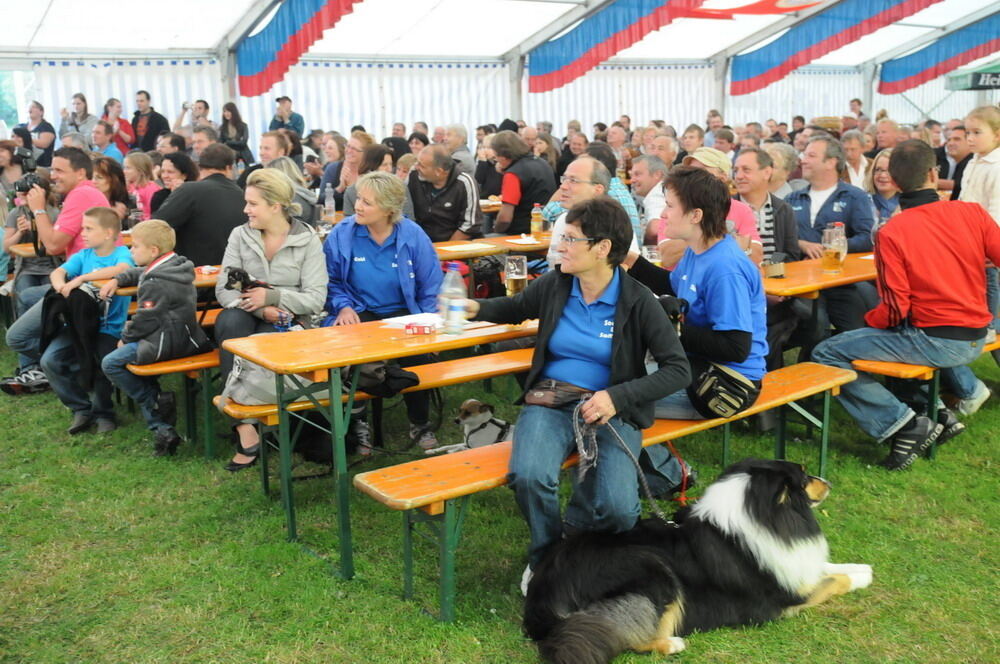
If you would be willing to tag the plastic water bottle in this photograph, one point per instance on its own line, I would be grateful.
(537, 221)
(329, 204)
(451, 300)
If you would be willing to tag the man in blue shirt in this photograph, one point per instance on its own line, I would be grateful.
(104, 141)
(286, 118)
(826, 200)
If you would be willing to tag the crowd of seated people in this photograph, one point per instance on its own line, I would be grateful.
(632, 209)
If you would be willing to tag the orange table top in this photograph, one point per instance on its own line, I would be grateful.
(542, 244)
(27, 250)
(201, 280)
(307, 351)
(806, 278)
(456, 250)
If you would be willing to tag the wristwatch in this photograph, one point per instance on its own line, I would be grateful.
(38, 212)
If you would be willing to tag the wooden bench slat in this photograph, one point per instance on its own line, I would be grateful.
(200, 362)
(437, 374)
(903, 370)
(424, 482)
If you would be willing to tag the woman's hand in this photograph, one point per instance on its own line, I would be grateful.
(313, 168)
(253, 299)
(348, 176)
(273, 314)
(23, 225)
(811, 249)
(598, 409)
(347, 316)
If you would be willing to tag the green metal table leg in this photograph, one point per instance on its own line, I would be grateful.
(285, 458)
(338, 419)
(825, 434)
(408, 525)
(779, 435)
(449, 543)
(725, 444)
(932, 406)
(191, 426)
(207, 413)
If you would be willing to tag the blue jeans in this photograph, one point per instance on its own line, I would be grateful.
(877, 410)
(28, 289)
(993, 295)
(142, 389)
(62, 368)
(23, 334)
(608, 497)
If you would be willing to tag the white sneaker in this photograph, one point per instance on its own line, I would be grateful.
(991, 336)
(526, 579)
(969, 406)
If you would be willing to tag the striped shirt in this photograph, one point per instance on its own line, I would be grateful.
(765, 225)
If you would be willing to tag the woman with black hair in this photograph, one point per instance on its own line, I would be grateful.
(595, 327)
(109, 178)
(417, 142)
(176, 169)
(374, 158)
(233, 133)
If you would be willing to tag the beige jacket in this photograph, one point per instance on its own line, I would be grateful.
(981, 183)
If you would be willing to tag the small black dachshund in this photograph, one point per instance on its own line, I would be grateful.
(239, 279)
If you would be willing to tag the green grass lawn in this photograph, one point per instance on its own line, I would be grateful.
(110, 555)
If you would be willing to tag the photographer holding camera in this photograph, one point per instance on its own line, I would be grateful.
(70, 173)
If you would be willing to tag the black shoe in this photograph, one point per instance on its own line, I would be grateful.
(166, 442)
(692, 481)
(30, 381)
(166, 408)
(235, 467)
(80, 424)
(106, 425)
(951, 426)
(911, 441)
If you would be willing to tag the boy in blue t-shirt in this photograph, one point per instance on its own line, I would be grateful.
(101, 259)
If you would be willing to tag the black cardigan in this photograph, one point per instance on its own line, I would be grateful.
(640, 325)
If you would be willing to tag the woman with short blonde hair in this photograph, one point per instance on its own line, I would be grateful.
(381, 264)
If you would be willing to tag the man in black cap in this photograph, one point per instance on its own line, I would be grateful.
(286, 118)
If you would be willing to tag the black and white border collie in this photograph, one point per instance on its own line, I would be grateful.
(749, 551)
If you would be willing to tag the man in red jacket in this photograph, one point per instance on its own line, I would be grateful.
(932, 312)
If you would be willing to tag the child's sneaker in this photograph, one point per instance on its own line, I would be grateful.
(31, 381)
(422, 435)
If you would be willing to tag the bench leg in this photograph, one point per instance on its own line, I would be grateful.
(265, 480)
(449, 543)
(933, 396)
(207, 413)
(779, 435)
(726, 435)
(824, 434)
(190, 409)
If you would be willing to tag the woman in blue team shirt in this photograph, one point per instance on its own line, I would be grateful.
(381, 265)
(726, 320)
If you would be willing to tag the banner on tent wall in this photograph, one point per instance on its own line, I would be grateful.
(677, 94)
(170, 83)
(597, 38)
(264, 58)
(977, 40)
(845, 22)
(339, 95)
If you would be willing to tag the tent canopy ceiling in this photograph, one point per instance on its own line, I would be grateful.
(445, 29)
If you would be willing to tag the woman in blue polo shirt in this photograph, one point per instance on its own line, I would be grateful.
(381, 265)
(595, 327)
(726, 320)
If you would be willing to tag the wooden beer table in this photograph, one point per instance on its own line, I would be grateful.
(806, 278)
(201, 280)
(456, 250)
(513, 243)
(317, 355)
(27, 250)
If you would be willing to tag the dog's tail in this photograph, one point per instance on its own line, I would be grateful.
(604, 629)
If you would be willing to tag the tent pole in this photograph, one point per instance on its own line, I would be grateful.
(515, 71)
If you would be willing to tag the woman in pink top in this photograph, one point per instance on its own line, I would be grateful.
(139, 177)
(741, 220)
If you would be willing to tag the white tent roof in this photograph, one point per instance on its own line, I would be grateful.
(393, 29)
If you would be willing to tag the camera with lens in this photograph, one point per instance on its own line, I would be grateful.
(28, 166)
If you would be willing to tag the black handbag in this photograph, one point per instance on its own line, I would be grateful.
(554, 393)
(718, 391)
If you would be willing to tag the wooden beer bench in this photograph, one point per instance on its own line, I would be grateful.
(435, 491)
(920, 372)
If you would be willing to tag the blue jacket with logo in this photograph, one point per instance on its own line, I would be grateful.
(419, 269)
(847, 204)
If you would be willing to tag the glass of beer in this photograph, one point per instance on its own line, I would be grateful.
(516, 273)
(652, 254)
(834, 251)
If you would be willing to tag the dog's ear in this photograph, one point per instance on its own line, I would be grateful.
(486, 408)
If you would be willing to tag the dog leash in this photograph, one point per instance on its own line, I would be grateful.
(586, 447)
